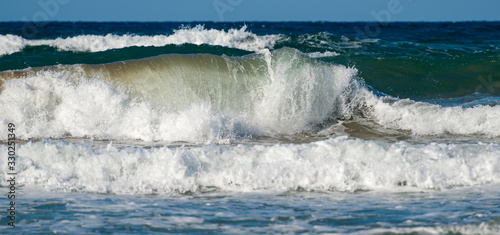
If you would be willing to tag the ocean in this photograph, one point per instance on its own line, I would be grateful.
(250, 127)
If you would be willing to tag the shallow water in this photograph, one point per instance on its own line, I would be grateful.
(465, 211)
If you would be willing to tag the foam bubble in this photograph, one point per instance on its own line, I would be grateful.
(339, 164)
(322, 54)
(429, 119)
(11, 44)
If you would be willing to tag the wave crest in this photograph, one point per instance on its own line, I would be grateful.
(234, 38)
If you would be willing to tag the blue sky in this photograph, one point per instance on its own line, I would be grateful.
(249, 10)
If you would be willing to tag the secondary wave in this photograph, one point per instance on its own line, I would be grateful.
(233, 38)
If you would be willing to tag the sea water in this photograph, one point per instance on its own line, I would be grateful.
(250, 128)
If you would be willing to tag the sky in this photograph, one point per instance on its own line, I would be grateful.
(249, 10)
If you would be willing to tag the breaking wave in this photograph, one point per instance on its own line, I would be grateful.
(234, 38)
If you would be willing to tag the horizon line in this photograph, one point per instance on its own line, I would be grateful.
(256, 21)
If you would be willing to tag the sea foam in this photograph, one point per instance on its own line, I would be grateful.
(207, 98)
(234, 38)
(322, 54)
(338, 164)
(11, 44)
(430, 119)
(171, 98)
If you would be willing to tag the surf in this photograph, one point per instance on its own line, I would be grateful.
(210, 98)
(282, 91)
(338, 164)
(198, 35)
